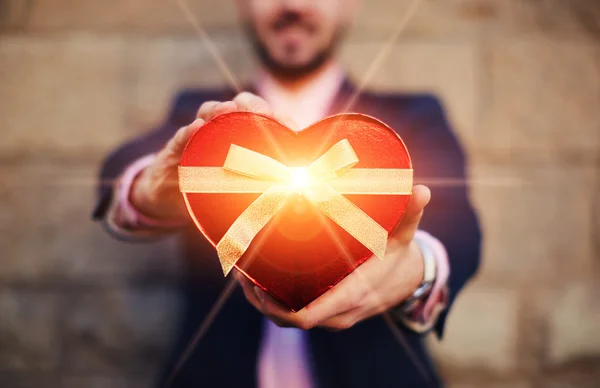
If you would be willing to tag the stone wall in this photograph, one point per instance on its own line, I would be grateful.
(520, 79)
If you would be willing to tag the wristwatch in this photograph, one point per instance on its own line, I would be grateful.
(429, 275)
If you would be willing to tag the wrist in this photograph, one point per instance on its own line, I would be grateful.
(426, 267)
(155, 205)
(417, 265)
(142, 206)
(140, 198)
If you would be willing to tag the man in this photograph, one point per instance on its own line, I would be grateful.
(340, 339)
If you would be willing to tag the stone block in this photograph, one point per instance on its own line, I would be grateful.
(445, 69)
(13, 14)
(434, 19)
(119, 330)
(541, 101)
(490, 383)
(481, 331)
(48, 235)
(573, 325)
(596, 219)
(564, 379)
(536, 222)
(37, 379)
(375, 19)
(131, 15)
(61, 96)
(29, 330)
(155, 76)
(158, 68)
(16, 214)
(29, 379)
(107, 381)
(453, 20)
(573, 19)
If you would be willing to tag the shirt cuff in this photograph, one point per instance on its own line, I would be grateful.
(424, 314)
(123, 219)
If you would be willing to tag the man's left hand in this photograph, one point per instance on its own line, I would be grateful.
(374, 287)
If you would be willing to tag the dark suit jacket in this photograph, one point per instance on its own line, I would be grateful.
(366, 355)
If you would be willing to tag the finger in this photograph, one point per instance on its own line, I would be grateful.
(342, 321)
(248, 289)
(349, 318)
(222, 108)
(252, 293)
(251, 102)
(328, 305)
(352, 294)
(277, 312)
(410, 222)
(342, 298)
(257, 297)
(286, 120)
(205, 110)
(266, 299)
(371, 303)
(183, 135)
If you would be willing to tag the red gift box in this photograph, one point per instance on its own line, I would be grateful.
(296, 212)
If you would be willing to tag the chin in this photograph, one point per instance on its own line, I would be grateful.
(295, 59)
(294, 63)
(290, 63)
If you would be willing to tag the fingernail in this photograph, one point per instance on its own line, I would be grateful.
(260, 294)
(292, 124)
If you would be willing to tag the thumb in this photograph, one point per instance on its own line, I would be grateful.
(410, 222)
(176, 145)
(287, 121)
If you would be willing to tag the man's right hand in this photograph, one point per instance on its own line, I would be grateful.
(155, 192)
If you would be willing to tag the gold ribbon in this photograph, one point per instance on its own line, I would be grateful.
(322, 184)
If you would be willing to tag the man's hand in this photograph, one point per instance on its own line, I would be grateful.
(155, 192)
(374, 287)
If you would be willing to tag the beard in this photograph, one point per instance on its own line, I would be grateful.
(292, 71)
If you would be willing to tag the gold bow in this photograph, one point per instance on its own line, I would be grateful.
(322, 184)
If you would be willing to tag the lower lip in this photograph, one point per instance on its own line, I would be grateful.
(292, 36)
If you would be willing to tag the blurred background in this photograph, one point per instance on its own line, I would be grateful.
(520, 80)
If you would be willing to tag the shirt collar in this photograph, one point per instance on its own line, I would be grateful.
(304, 106)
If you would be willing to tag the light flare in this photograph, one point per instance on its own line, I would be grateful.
(377, 62)
(183, 5)
(398, 335)
(300, 178)
(214, 311)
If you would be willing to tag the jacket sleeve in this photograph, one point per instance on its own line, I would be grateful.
(181, 113)
(439, 162)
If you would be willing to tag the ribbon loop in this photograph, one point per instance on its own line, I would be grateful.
(322, 184)
(253, 164)
(335, 162)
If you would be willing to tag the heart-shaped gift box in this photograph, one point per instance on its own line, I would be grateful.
(295, 212)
